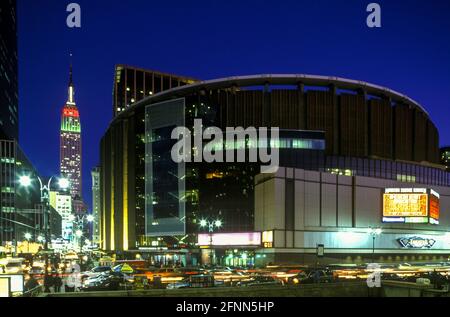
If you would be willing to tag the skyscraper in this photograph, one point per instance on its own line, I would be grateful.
(96, 205)
(9, 110)
(70, 142)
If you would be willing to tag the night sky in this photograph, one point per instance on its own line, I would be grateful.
(213, 39)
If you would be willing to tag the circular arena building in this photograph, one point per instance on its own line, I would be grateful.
(340, 130)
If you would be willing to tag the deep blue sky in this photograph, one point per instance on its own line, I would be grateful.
(211, 39)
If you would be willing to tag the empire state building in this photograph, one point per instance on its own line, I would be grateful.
(70, 143)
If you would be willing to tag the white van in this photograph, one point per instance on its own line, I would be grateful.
(12, 265)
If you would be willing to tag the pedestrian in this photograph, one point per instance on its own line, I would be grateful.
(57, 283)
(316, 277)
(71, 282)
(48, 282)
(31, 284)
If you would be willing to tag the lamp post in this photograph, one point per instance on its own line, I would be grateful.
(374, 232)
(63, 183)
(28, 238)
(79, 235)
(211, 225)
(79, 222)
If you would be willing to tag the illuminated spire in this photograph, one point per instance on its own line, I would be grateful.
(71, 87)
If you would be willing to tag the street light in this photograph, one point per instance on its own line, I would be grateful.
(79, 224)
(28, 238)
(25, 181)
(374, 232)
(211, 224)
(64, 183)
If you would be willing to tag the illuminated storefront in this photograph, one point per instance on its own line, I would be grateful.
(355, 218)
(229, 249)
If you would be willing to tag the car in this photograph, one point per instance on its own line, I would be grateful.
(95, 271)
(196, 281)
(260, 281)
(167, 275)
(37, 270)
(106, 281)
(320, 276)
(13, 265)
(299, 278)
(181, 284)
(315, 276)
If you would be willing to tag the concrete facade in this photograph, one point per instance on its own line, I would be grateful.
(305, 209)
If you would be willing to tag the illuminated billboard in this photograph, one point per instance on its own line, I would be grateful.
(5, 287)
(230, 239)
(411, 205)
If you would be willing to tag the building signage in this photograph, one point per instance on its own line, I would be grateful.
(411, 205)
(320, 250)
(434, 207)
(267, 239)
(230, 239)
(417, 243)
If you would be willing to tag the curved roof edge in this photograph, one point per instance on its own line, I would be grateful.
(279, 79)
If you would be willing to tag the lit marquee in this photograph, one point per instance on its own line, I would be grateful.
(230, 239)
(411, 205)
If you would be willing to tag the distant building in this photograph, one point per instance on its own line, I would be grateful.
(445, 157)
(70, 143)
(54, 222)
(62, 203)
(134, 84)
(96, 205)
(9, 108)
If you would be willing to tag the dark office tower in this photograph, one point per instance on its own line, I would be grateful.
(9, 112)
(134, 84)
(17, 203)
(70, 143)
